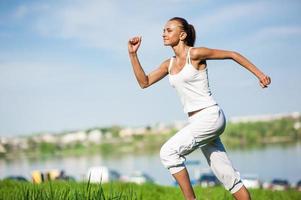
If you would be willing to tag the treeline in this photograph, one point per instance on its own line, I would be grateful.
(236, 135)
(260, 133)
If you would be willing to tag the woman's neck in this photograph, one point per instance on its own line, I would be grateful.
(180, 50)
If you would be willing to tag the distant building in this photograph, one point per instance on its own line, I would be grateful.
(128, 132)
(49, 138)
(18, 143)
(74, 137)
(94, 136)
(2, 149)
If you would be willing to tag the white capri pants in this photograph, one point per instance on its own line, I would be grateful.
(202, 132)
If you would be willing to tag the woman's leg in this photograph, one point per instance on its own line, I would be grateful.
(172, 156)
(202, 128)
(182, 177)
(222, 168)
(242, 194)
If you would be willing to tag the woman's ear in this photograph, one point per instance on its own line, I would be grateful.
(183, 36)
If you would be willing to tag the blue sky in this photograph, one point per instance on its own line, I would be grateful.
(64, 64)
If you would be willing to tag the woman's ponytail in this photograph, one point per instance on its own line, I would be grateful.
(191, 36)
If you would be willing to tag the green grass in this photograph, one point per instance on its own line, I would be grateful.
(59, 190)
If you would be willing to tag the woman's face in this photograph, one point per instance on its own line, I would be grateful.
(172, 33)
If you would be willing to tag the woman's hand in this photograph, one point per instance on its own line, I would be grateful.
(264, 81)
(134, 44)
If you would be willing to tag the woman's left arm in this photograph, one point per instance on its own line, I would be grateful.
(207, 54)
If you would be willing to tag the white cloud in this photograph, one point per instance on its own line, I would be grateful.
(273, 35)
(230, 14)
(276, 32)
(106, 24)
(20, 12)
(101, 24)
(109, 24)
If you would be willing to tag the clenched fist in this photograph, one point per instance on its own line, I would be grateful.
(134, 44)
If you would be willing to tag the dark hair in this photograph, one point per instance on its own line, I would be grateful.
(188, 29)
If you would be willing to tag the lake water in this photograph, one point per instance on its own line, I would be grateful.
(268, 163)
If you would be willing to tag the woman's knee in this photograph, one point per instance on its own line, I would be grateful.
(170, 157)
(165, 154)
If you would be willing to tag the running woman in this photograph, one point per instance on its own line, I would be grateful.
(187, 73)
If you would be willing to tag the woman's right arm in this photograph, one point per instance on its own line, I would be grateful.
(143, 79)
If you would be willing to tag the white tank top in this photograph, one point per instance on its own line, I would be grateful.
(192, 86)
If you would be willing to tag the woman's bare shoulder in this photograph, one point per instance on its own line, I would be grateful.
(197, 52)
(165, 63)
